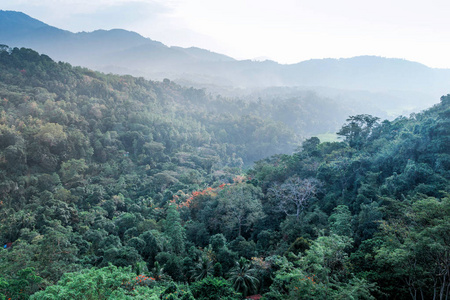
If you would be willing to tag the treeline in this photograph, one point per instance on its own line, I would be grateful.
(114, 187)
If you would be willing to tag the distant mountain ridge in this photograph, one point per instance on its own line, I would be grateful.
(126, 52)
(88, 48)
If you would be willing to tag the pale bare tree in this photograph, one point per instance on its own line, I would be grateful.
(294, 194)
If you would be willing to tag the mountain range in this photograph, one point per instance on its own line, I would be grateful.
(393, 85)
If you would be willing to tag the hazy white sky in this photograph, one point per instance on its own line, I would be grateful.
(286, 31)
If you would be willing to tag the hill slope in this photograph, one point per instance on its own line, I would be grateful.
(407, 84)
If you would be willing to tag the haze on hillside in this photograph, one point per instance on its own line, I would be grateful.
(381, 86)
(287, 31)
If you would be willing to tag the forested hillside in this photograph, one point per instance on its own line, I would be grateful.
(115, 187)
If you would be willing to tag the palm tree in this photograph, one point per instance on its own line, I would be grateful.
(202, 269)
(242, 277)
(158, 272)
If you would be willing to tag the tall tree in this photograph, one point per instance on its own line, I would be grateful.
(239, 207)
(243, 277)
(174, 230)
(294, 194)
(358, 129)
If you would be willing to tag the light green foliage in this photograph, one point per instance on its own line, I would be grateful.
(341, 221)
(321, 273)
(52, 134)
(106, 283)
(327, 258)
(211, 288)
(239, 208)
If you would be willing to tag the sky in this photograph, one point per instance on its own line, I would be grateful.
(286, 31)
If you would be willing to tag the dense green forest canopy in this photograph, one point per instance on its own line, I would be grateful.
(115, 187)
